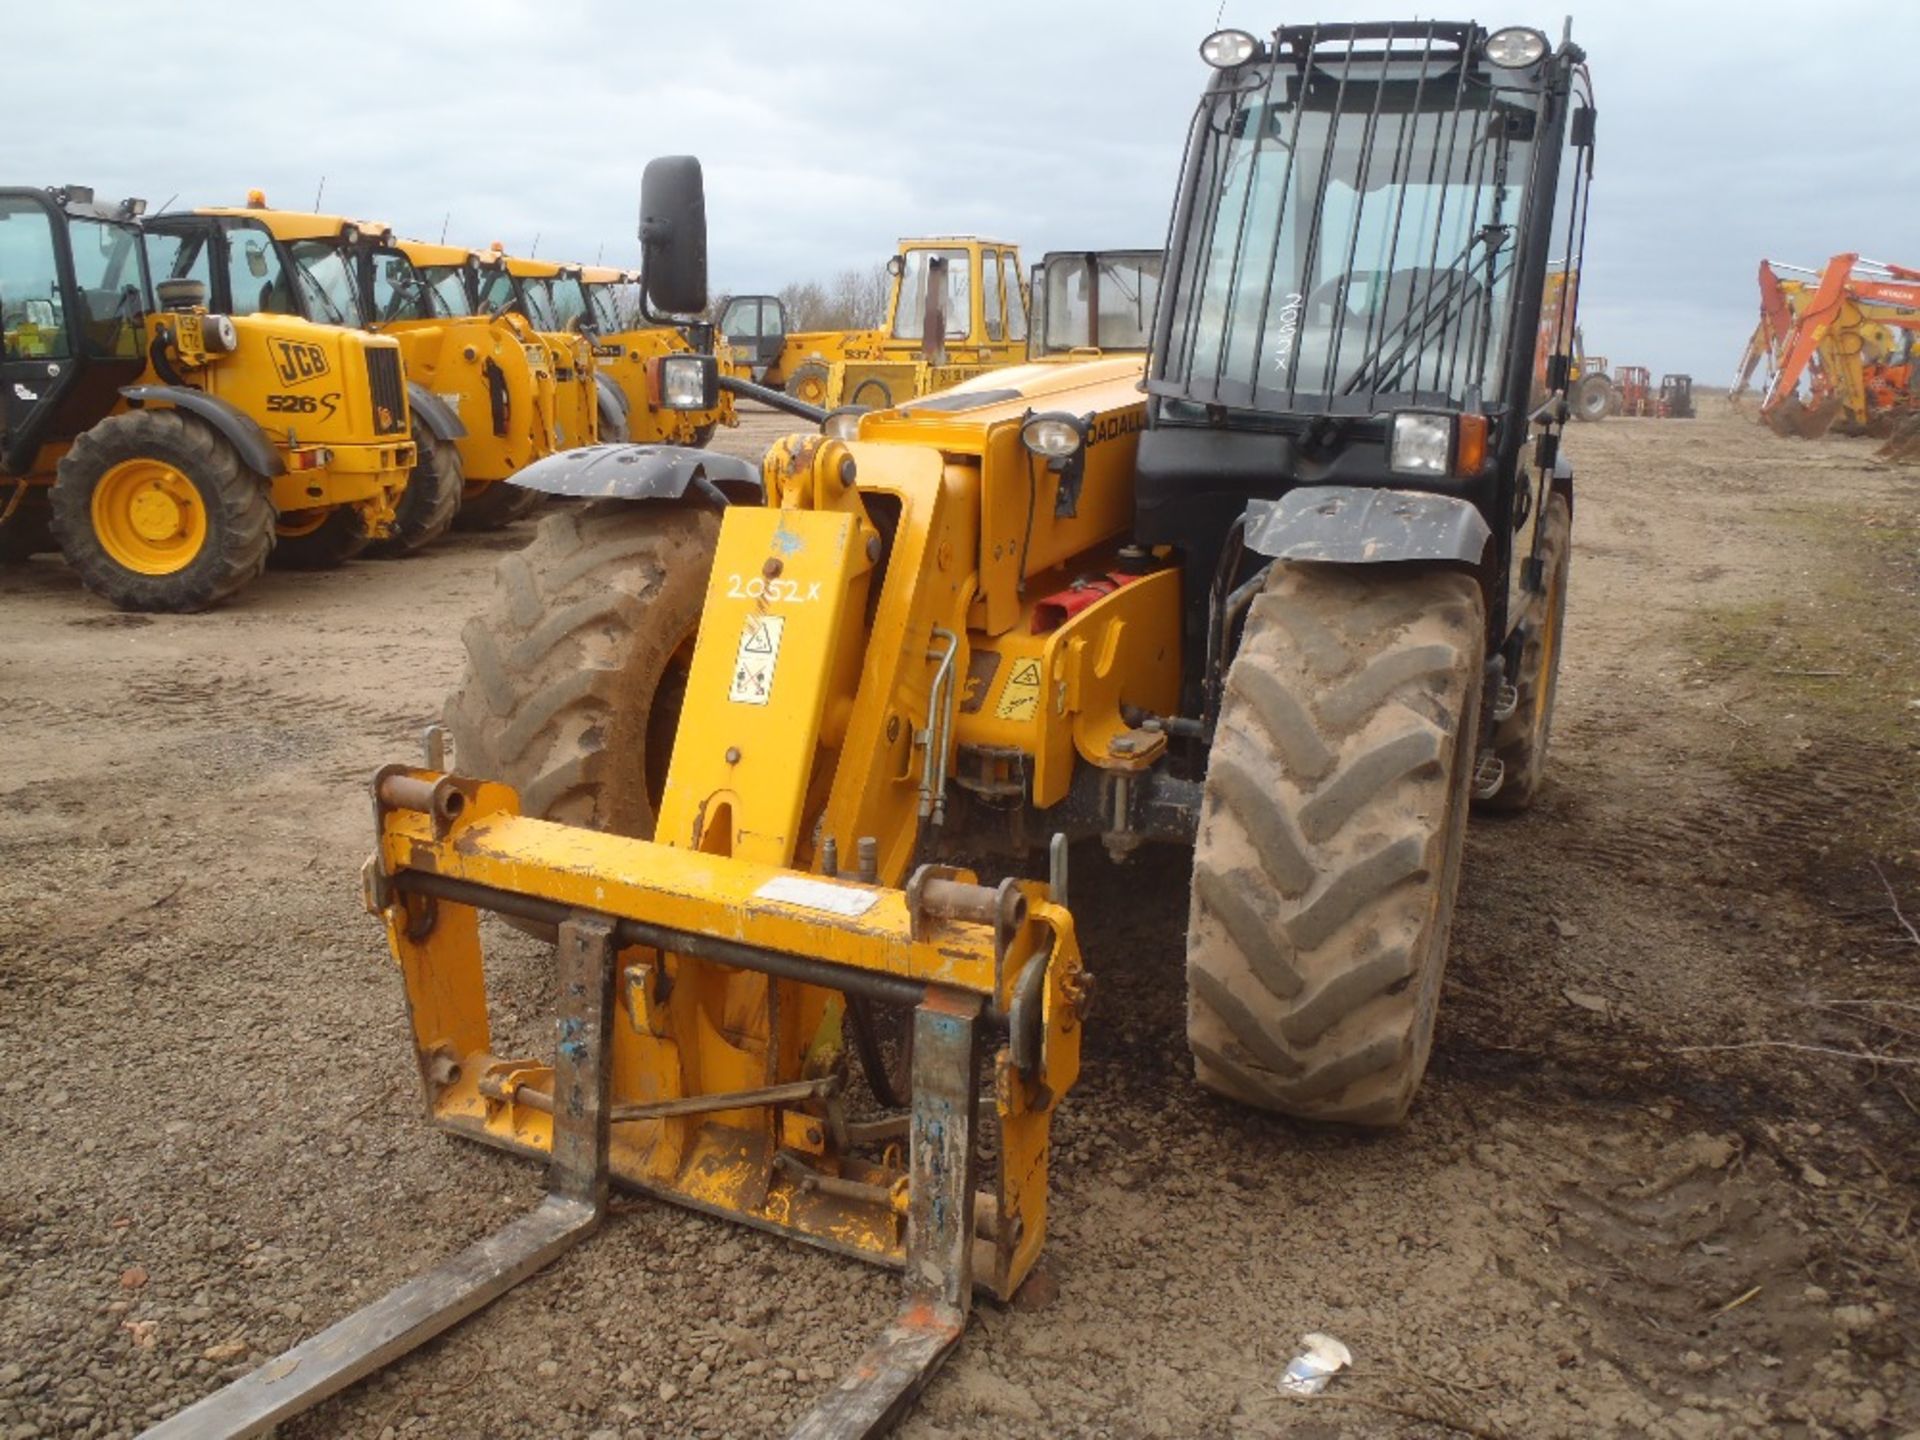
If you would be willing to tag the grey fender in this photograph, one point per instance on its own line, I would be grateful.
(1356, 525)
(611, 395)
(644, 472)
(439, 417)
(240, 429)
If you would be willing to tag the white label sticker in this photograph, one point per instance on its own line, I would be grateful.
(753, 666)
(817, 895)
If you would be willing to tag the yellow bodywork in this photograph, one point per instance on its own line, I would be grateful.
(882, 613)
(576, 394)
(892, 364)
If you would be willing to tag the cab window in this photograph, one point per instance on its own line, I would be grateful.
(496, 291)
(569, 301)
(326, 283)
(910, 315)
(399, 292)
(255, 277)
(182, 255)
(31, 315)
(110, 285)
(990, 292)
(1016, 304)
(448, 284)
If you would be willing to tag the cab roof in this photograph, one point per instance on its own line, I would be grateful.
(297, 224)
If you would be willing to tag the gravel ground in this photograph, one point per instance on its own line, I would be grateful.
(1592, 1225)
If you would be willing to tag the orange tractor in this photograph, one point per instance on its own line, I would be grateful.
(1849, 332)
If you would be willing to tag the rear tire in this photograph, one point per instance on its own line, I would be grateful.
(305, 541)
(575, 669)
(1520, 741)
(809, 383)
(1328, 854)
(225, 518)
(1592, 398)
(430, 498)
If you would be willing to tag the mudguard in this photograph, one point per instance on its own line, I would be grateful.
(611, 395)
(240, 429)
(438, 416)
(1351, 525)
(644, 472)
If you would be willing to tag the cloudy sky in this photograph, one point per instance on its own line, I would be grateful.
(1729, 129)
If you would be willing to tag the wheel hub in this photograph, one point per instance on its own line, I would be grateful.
(149, 517)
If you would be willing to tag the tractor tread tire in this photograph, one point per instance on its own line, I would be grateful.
(239, 512)
(805, 376)
(430, 499)
(564, 664)
(341, 537)
(1592, 398)
(1520, 741)
(1330, 834)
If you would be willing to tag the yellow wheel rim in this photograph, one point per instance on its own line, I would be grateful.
(292, 524)
(810, 389)
(148, 517)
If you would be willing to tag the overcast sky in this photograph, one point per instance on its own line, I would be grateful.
(1729, 129)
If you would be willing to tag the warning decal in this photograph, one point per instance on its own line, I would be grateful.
(1020, 699)
(753, 666)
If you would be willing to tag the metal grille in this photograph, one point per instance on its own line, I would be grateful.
(1348, 228)
(388, 392)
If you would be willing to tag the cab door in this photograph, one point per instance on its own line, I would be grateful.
(756, 328)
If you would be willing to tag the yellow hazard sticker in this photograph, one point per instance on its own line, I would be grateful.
(1020, 696)
(753, 664)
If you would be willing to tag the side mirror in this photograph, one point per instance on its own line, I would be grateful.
(256, 260)
(673, 234)
(896, 267)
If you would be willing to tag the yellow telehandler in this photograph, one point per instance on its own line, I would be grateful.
(606, 305)
(170, 452)
(957, 307)
(1283, 595)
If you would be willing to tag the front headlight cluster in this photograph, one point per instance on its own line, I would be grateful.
(1053, 437)
(1515, 48)
(689, 382)
(1435, 444)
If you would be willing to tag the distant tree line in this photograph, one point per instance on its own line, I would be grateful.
(854, 299)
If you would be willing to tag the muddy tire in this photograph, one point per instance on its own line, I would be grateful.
(431, 497)
(1520, 741)
(1330, 834)
(496, 505)
(28, 531)
(154, 511)
(810, 382)
(576, 669)
(1592, 398)
(304, 540)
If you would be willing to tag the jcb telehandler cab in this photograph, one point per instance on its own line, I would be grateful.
(1289, 609)
(162, 449)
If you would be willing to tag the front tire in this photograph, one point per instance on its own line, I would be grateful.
(154, 511)
(319, 539)
(1592, 398)
(430, 498)
(577, 669)
(1331, 828)
(809, 383)
(495, 505)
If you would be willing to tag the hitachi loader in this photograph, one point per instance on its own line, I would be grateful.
(1286, 592)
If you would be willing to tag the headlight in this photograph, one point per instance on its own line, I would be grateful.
(1515, 48)
(844, 423)
(688, 382)
(1053, 437)
(1422, 444)
(1225, 49)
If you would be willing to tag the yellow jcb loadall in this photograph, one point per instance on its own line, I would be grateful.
(168, 453)
(1290, 606)
(957, 307)
(608, 307)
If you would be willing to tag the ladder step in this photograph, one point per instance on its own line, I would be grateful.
(1489, 774)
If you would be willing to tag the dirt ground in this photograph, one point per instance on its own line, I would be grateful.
(1661, 1180)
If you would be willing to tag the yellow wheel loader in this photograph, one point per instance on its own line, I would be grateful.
(957, 307)
(608, 307)
(168, 453)
(1284, 595)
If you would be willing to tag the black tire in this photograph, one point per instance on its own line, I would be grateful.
(431, 497)
(238, 514)
(28, 531)
(1520, 741)
(613, 426)
(496, 505)
(810, 383)
(1592, 398)
(1328, 854)
(301, 545)
(872, 393)
(575, 669)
